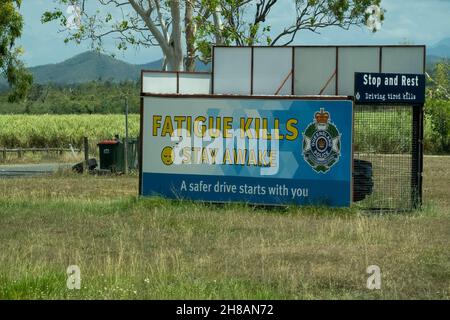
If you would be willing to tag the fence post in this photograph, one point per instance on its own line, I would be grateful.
(86, 152)
(125, 145)
(4, 153)
(19, 152)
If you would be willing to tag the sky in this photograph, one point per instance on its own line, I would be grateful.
(412, 21)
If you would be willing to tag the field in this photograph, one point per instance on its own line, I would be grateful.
(57, 131)
(130, 248)
(61, 130)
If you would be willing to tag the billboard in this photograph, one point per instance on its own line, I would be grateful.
(307, 70)
(266, 150)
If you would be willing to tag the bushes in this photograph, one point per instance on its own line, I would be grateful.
(86, 98)
(437, 126)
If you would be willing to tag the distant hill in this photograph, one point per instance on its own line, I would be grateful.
(432, 60)
(83, 68)
(89, 66)
(440, 49)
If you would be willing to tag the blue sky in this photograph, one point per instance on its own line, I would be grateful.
(415, 21)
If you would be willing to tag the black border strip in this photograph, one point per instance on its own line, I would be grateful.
(331, 46)
(292, 72)
(249, 97)
(141, 126)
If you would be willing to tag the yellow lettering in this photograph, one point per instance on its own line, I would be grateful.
(227, 126)
(199, 130)
(167, 127)
(239, 156)
(156, 124)
(292, 129)
(252, 158)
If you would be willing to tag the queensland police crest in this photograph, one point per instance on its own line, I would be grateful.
(321, 142)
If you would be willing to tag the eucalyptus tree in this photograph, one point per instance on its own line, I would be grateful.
(11, 67)
(185, 30)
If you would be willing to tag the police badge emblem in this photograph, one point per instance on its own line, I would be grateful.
(321, 143)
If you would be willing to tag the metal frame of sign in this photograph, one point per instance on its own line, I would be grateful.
(335, 75)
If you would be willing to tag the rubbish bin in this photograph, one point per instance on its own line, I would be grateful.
(112, 154)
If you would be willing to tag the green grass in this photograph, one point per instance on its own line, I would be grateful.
(130, 248)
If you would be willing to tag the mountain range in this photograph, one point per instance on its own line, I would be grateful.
(91, 65)
(440, 49)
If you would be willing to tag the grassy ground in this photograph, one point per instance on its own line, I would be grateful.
(42, 157)
(152, 248)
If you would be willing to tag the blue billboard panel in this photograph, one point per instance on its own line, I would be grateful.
(389, 88)
(265, 151)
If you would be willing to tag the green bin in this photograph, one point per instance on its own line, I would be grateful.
(112, 155)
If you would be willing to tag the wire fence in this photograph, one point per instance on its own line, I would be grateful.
(387, 142)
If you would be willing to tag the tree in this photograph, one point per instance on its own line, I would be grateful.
(197, 24)
(11, 68)
(437, 108)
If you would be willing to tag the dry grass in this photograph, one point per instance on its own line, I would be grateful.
(153, 248)
(436, 181)
(41, 157)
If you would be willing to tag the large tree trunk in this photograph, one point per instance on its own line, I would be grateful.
(176, 56)
(170, 45)
(174, 61)
(190, 35)
(218, 24)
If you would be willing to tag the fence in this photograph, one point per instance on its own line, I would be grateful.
(21, 151)
(390, 138)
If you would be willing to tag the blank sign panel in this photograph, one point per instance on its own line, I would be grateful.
(314, 66)
(355, 59)
(403, 60)
(232, 70)
(272, 66)
(195, 83)
(159, 82)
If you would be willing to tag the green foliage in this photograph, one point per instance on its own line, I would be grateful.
(377, 136)
(437, 129)
(437, 110)
(208, 22)
(61, 130)
(86, 98)
(247, 23)
(11, 68)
